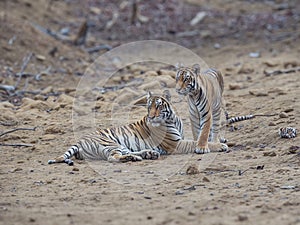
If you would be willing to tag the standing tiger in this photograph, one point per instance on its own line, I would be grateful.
(204, 91)
(159, 132)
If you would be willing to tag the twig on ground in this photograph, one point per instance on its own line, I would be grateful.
(276, 72)
(8, 124)
(17, 145)
(26, 60)
(98, 48)
(16, 129)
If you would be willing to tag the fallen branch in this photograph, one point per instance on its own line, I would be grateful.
(8, 124)
(276, 72)
(17, 145)
(16, 129)
(24, 66)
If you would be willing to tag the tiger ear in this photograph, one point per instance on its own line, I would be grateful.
(196, 68)
(149, 95)
(178, 65)
(167, 95)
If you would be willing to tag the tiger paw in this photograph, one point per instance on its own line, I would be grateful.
(202, 150)
(130, 157)
(224, 148)
(150, 154)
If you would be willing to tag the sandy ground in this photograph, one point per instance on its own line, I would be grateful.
(257, 182)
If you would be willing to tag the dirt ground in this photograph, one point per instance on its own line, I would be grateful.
(257, 182)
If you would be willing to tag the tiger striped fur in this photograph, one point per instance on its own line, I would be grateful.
(204, 93)
(159, 132)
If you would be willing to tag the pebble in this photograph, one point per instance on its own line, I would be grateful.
(254, 54)
(40, 57)
(258, 93)
(271, 124)
(271, 63)
(235, 86)
(245, 70)
(287, 187)
(75, 169)
(288, 110)
(205, 179)
(271, 154)
(242, 218)
(179, 192)
(198, 18)
(283, 115)
(192, 169)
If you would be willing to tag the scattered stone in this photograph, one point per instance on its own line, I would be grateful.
(217, 46)
(254, 54)
(95, 10)
(47, 90)
(205, 179)
(198, 18)
(271, 124)
(147, 197)
(192, 169)
(16, 170)
(179, 192)
(258, 93)
(244, 69)
(235, 86)
(288, 110)
(151, 73)
(242, 218)
(40, 57)
(290, 64)
(271, 63)
(287, 187)
(283, 115)
(75, 169)
(271, 154)
(293, 149)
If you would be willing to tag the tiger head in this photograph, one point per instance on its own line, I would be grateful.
(159, 109)
(186, 79)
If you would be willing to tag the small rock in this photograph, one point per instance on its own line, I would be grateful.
(288, 110)
(254, 54)
(271, 154)
(235, 86)
(16, 170)
(95, 10)
(75, 169)
(47, 90)
(244, 69)
(147, 197)
(217, 46)
(205, 179)
(283, 115)
(192, 169)
(258, 93)
(40, 57)
(271, 124)
(271, 63)
(242, 218)
(198, 18)
(179, 192)
(287, 187)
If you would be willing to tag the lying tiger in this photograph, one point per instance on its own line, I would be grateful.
(159, 132)
(205, 101)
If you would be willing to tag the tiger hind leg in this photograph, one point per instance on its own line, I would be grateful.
(65, 158)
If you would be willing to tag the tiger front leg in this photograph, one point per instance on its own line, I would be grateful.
(202, 142)
(116, 156)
